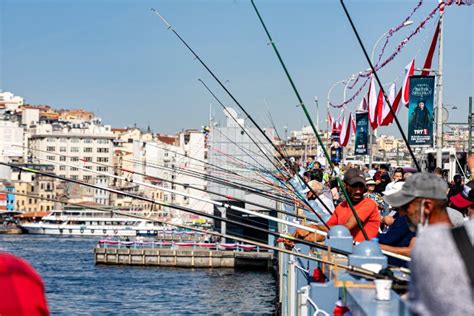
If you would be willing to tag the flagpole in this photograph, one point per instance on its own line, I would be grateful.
(439, 116)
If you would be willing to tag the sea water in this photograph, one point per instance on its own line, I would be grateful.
(75, 285)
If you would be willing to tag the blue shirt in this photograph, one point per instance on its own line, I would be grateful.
(397, 235)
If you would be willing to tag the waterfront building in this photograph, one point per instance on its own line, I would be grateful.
(39, 185)
(87, 141)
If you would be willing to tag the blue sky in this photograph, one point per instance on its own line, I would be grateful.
(117, 59)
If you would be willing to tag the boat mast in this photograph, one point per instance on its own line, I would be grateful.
(439, 88)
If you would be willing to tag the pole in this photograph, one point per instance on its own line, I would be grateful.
(469, 119)
(317, 125)
(439, 112)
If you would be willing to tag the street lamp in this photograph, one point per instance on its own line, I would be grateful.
(373, 134)
(317, 113)
(406, 23)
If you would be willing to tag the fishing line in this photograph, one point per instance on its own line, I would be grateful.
(380, 86)
(303, 107)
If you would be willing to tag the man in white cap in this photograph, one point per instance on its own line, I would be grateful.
(442, 266)
(317, 204)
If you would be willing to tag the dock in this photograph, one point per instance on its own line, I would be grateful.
(185, 257)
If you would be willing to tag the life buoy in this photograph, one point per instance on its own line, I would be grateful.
(92, 231)
(155, 232)
(105, 231)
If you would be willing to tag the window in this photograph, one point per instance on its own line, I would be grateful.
(74, 177)
(50, 148)
(62, 168)
(88, 159)
(73, 169)
(86, 178)
(103, 150)
(74, 149)
(50, 140)
(88, 141)
(75, 140)
(62, 158)
(88, 167)
(100, 168)
(87, 149)
(102, 159)
(62, 140)
(62, 149)
(102, 141)
(74, 159)
(51, 157)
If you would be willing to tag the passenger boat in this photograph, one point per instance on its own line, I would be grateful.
(89, 222)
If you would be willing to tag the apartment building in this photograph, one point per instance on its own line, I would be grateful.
(77, 144)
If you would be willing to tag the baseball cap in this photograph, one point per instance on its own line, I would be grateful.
(397, 186)
(420, 185)
(370, 181)
(353, 176)
(21, 287)
(464, 198)
(315, 185)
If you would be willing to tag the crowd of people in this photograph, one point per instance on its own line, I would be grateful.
(418, 214)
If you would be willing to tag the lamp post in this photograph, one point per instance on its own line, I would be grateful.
(406, 23)
(373, 133)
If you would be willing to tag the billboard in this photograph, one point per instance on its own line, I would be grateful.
(420, 111)
(362, 133)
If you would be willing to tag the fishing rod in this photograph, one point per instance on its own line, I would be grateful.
(224, 182)
(278, 150)
(194, 174)
(241, 126)
(216, 203)
(392, 112)
(249, 153)
(174, 206)
(191, 158)
(193, 211)
(353, 269)
(202, 199)
(305, 110)
(253, 140)
(131, 215)
(169, 27)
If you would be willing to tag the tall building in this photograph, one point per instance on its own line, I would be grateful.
(231, 148)
(77, 144)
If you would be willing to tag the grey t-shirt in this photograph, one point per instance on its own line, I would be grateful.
(439, 281)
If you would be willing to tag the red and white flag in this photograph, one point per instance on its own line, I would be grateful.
(372, 104)
(363, 105)
(347, 130)
(409, 70)
(385, 113)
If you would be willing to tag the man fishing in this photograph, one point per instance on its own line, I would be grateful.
(442, 264)
(366, 209)
(317, 206)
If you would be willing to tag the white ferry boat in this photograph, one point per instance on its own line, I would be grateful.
(92, 223)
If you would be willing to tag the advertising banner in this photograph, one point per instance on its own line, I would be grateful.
(362, 133)
(336, 152)
(420, 111)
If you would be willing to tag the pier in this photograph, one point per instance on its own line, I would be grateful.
(198, 255)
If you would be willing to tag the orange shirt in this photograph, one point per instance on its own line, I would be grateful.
(368, 213)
